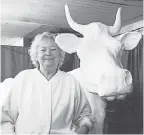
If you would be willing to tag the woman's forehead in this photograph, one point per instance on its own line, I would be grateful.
(47, 42)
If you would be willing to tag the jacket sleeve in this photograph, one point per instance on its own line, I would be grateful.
(9, 108)
(83, 112)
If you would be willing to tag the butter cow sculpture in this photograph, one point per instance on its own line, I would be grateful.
(100, 73)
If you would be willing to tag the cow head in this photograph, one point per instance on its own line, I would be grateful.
(99, 53)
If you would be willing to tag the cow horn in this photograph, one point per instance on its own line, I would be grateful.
(113, 30)
(75, 26)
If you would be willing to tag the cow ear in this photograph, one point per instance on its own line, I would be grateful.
(68, 42)
(130, 40)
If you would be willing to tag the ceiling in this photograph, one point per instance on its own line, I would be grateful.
(26, 18)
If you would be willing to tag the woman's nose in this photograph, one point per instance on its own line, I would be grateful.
(48, 52)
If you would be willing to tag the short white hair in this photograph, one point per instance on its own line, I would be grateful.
(35, 43)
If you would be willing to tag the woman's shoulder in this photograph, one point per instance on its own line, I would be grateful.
(24, 73)
(69, 77)
(66, 74)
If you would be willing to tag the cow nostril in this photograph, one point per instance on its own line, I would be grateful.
(128, 77)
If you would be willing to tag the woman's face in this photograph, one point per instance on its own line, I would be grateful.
(48, 53)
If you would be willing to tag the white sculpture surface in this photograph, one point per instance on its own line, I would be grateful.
(101, 73)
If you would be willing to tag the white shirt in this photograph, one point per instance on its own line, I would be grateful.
(38, 106)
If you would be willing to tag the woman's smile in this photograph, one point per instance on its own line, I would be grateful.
(48, 58)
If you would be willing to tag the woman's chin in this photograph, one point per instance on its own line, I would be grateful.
(50, 65)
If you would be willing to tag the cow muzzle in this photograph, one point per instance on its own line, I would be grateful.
(127, 77)
(126, 85)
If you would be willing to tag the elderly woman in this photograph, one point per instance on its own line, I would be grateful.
(45, 100)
